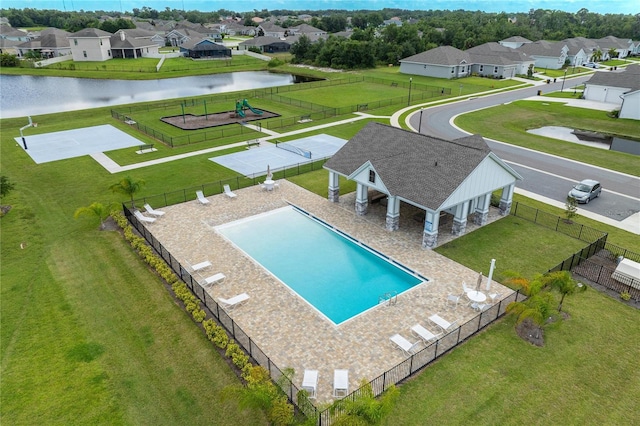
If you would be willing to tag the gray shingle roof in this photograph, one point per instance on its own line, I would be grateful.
(543, 48)
(416, 167)
(496, 54)
(516, 39)
(443, 55)
(90, 32)
(629, 78)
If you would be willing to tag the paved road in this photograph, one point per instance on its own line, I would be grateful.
(544, 175)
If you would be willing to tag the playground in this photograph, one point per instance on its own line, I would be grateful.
(244, 112)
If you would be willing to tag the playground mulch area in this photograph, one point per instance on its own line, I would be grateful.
(194, 122)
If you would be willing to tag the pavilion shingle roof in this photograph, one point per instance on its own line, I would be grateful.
(416, 167)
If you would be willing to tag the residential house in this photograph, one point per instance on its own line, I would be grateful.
(305, 29)
(440, 62)
(498, 61)
(7, 32)
(177, 36)
(621, 46)
(204, 48)
(445, 179)
(267, 29)
(90, 44)
(621, 88)
(547, 54)
(266, 44)
(514, 42)
(132, 44)
(51, 43)
(392, 21)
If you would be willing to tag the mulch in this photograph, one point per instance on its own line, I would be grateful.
(195, 122)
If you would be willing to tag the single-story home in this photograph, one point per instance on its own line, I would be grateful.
(547, 54)
(266, 44)
(622, 88)
(204, 48)
(51, 43)
(441, 177)
(440, 62)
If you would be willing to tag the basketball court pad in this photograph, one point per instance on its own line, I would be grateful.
(254, 161)
(54, 146)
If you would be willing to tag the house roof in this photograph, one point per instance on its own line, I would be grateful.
(306, 28)
(203, 45)
(517, 39)
(611, 42)
(129, 42)
(420, 168)
(262, 41)
(136, 33)
(496, 54)
(443, 55)
(576, 43)
(269, 27)
(50, 38)
(628, 79)
(543, 48)
(90, 33)
(8, 31)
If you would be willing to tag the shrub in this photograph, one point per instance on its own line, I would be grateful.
(275, 62)
(625, 296)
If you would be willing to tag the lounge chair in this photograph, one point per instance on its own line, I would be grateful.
(340, 383)
(465, 288)
(228, 192)
(236, 300)
(152, 211)
(310, 382)
(143, 218)
(424, 334)
(217, 278)
(201, 198)
(403, 344)
(199, 266)
(494, 296)
(445, 325)
(480, 307)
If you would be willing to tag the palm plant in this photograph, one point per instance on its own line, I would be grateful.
(597, 55)
(128, 186)
(563, 282)
(95, 209)
(537, 308)
(364, 408)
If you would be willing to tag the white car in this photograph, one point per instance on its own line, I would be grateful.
(590, 65)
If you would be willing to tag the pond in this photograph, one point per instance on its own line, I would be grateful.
(23, 95)
(593, 139)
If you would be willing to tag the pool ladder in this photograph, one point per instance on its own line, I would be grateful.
(389, 298)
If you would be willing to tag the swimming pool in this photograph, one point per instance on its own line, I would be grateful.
(335, 274)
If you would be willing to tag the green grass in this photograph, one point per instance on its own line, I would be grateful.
(90, 335)
(583, 375)
(560, 73)
(615, 62)
(523, 115)
(510, 255)
(566, 94)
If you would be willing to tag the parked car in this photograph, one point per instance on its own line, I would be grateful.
(586, 191)
(590, 65)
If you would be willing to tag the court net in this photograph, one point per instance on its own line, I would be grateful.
(294, 149)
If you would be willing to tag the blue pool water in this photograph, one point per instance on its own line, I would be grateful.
(336, 275)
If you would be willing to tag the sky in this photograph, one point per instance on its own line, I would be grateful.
(509, 6)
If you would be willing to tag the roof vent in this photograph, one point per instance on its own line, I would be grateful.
(436, 164)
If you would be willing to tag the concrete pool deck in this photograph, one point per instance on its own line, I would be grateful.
(285, 327)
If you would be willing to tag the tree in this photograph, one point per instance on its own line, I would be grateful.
(563, 282)
(530, 71)
(5, 186)
(95, 209)
(9, 60)
(128, 186)
(613, 53)
(597, 55)
(571, 207)
(537, 308)
(364, 408)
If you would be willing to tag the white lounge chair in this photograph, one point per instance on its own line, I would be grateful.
(152, 211)
(201, 198)
(143, 218)
(217, 278)
(228, 192)
(236, 300)
(310, 382)
(465, 288)
(199, 266)
(426, 335)
(340, 383)
(445, 325)
(403, 344)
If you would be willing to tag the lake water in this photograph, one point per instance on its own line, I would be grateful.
(23, 95)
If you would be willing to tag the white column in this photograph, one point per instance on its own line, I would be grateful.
(460, 219)
(334, 187)
(393, 213)
(362, 199)
(430, 232)
(506, 199)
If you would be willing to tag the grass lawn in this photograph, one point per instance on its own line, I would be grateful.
(570, 94)
(583, 375)
(560, 72)
(90, 335)
(523, 115)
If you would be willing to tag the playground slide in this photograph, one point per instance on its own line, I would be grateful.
(245, 103)
(239, 110)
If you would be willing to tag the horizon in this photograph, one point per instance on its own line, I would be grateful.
(507, 6)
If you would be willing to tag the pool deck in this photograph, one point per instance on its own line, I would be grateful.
(289, 330)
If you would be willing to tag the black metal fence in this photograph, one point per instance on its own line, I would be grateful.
(311, 111)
